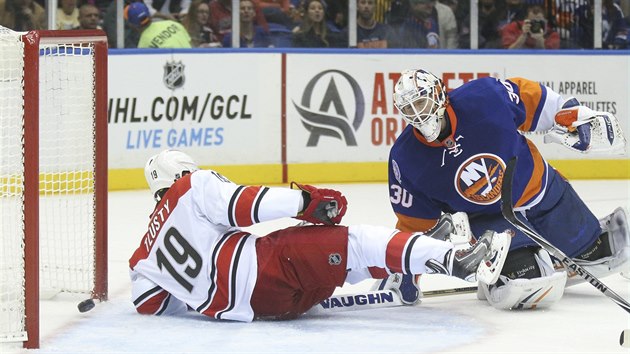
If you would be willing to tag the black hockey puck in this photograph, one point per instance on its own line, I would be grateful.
(86, 305)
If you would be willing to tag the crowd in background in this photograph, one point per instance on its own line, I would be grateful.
(439, 24)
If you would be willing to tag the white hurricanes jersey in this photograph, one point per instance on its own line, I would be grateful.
(194, 255)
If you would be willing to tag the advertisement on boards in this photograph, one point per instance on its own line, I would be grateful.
(225, 108)
(222, 108)
(340, 107)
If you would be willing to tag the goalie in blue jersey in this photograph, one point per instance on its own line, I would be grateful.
(452, 156)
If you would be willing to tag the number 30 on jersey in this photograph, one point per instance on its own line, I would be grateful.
(400, 196)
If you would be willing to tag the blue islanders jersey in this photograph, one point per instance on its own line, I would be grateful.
(465, 171)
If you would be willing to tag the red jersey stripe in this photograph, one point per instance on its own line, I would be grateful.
(395, 251)
(152, 304)
(244, 205)
(223, 264)
(378, 273)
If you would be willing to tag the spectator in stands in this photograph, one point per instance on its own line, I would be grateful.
(512, 10)
(221, 17)
(67, 15)
(447, 25)
(131, 36)
(420, 27)
(296, 12)
(337, 14)
(22, 15)
(489, 21)
(252, 36)
(89, 17)
(158, 34)
(489, 36)
(614, 26)
(370, 33)
(101, 5)
(278, 11)
(195, 23)
(534, 32)
(282, 5)
(397, 12)
(417, 12)
(174, 10)
(461, 11)
(381, 10)
(313, 31)
(456, 6)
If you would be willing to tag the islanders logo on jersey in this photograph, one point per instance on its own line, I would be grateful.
(479, 179)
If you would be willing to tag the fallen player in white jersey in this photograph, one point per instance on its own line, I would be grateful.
(194, 254)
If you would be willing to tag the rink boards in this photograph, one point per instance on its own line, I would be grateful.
(273, 116)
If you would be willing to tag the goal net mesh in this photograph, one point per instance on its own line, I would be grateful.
(66, 174)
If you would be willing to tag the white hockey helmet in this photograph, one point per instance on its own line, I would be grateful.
(165, 168)
(421, 99)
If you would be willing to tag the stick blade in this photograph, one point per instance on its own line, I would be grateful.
(624, 338)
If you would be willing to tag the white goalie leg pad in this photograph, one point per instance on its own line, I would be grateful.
(489, 270)
(616, 225)
(522, 293)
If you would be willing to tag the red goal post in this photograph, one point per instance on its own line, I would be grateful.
(53, 173)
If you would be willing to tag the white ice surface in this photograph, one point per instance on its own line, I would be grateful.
(584, 321)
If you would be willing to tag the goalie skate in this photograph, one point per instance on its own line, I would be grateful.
(482, 261)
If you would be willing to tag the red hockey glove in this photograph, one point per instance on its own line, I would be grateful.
(321, 206)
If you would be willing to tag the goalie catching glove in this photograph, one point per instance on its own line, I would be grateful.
(581, 129)
(321, 206)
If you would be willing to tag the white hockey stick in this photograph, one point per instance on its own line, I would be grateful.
(507, 209)
(376, 299)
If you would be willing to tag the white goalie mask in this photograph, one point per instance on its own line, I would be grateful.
(165, 168)
(421, 99)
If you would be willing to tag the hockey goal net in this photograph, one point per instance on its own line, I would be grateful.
(53, 173)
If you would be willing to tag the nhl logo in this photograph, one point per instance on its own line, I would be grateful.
(334, 259)
(174, 75)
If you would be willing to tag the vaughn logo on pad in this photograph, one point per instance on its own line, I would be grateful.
(358, 300)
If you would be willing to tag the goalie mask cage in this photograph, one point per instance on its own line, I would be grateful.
(53, 173)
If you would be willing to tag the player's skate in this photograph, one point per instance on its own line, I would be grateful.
(405, 285)
(482, 261)
(453, 228)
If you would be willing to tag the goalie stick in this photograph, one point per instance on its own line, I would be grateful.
(376, 299)
(507, 209)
